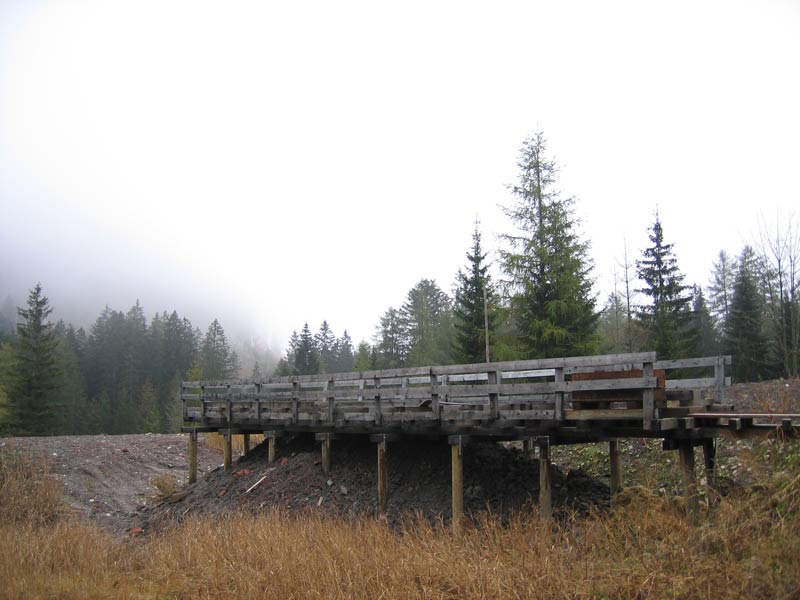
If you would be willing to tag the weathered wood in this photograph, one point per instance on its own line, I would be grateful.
(383, 478)
(493, 381)
(648, 400)
(326, 453)
(246, 443)
(690, 384)
(457, 466)
(688, 363)
(710, 461)
(686, 459)
(192, 457)
(545, 484)
(634, 414)
(271, 450)
(615, 466)
(227, 451)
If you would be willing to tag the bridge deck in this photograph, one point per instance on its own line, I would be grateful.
(568, 399)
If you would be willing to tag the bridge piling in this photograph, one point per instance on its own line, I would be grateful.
(686, 459)
(457, 466)
(545, 486)
(615, 466)
(192, 457)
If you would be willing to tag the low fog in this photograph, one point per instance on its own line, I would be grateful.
(271, 165)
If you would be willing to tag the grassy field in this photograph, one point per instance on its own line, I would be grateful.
(747, 547)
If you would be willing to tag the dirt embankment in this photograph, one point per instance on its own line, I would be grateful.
(109, 478)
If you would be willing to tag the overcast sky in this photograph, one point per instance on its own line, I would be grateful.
(276, 162)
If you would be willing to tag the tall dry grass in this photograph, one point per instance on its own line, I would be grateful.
(747, 548)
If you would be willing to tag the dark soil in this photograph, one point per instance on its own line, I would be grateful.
(497, 478)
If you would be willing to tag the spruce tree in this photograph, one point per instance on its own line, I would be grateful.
(470, 319)
(720, 289)
(426, 321)
(306, 360)
(215, 353)
(344, 354)
(325, 340)
(363, 358)
(744, 330)
(665, 317)
(390, 341)
(546, 264)
(34, 410)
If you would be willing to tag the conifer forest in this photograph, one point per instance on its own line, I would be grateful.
(533, 293)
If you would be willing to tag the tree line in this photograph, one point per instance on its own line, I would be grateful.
(535, 301)
(120, 376)
(541, 304)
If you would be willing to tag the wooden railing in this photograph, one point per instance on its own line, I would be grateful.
(454, 398)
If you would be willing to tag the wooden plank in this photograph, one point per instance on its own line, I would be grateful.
(648, 400)
(514, 415)
(227, 452)
(688, 363)
(604, 414)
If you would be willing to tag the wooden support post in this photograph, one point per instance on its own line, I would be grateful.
(558, 414)
(686, 457)
(383, 478)
(710, 463)
(545, 487)
(325, 438)
(227, 451)
(192, 456)
(615, 466)
(457, 460)
(529, 448)
(271, 449)
(246, 444)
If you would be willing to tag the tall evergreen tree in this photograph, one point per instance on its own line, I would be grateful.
(325, 342)
(306, 360)
(701, 335)
(744, 331)
(473, 288)
(720, 289)
(390, 341)
(34, 410)
(547, 265)
(215, 353)
(363, 358)
(665, 317)
(344, 354)
(426, 321)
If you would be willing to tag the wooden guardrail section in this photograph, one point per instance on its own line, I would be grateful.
(627, 390)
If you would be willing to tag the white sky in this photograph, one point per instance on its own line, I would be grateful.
(271, 163)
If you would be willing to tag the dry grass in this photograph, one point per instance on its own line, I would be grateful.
(747, 548)
(217, 442)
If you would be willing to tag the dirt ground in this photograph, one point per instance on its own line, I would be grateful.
(109, 478)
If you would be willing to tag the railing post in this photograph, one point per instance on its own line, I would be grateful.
(435, 396)
(378, 414)
(494, 404)
(295, 401)
(719, 380)
(329, 386)
(229, 405)
(559, 405)
(648, 399)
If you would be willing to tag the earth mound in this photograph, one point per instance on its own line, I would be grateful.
(497, 478)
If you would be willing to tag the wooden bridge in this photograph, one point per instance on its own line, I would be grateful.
(539, 402)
